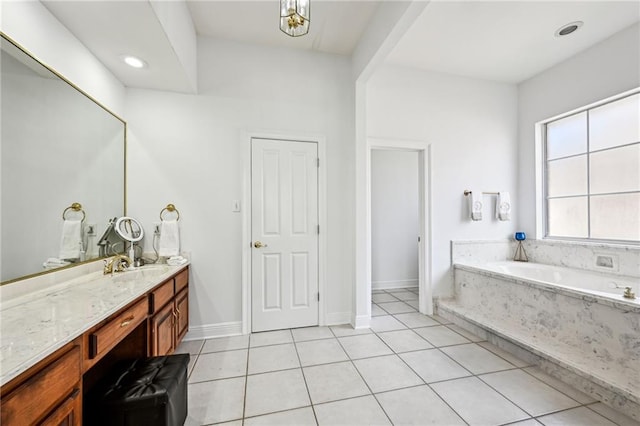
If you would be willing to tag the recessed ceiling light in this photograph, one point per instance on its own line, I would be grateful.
(568, 28)
(134, 62)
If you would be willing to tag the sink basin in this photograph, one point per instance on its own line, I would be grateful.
(142, 273)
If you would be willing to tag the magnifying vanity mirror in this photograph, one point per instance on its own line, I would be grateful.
(58, 148)
(129, 230)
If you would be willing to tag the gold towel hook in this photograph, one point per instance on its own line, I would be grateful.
(76, 207)
(170, 208)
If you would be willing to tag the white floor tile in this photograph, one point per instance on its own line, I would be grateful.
(440, 319)
(346, 330)
(320, 352)
(405, 295)
(504, 354)
(566, 389)
(580, 416)
(465, 333)
(277, 391)
(331, 382)
(219, 365)
(441, 336)
(298, 417)
(417, 406)
(477, 403)
(191, 347)
(386, 323)
(272, 358)
(413, 303)
(434, 366)
(377, 311)
(476, 359)
(386, 373)
(396, 307)
(382, 297)
(364, 346)
(613, 415)
(529, 422)
(311, 333)
(270, 338)
(215, 401)
(404, 341)
(528, 393)
(226, 343)
(352, 412)
(416, 319)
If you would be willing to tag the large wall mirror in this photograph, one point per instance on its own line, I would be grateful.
(58, 147)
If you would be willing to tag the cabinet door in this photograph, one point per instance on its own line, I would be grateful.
(162, 331)
(182, 311)
(69, 413)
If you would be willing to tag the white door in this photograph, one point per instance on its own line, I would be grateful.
(284, 232)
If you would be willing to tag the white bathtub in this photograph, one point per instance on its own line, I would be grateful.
(599, 284)
(576, 323)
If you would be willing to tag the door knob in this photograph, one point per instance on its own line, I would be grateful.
(259, 244)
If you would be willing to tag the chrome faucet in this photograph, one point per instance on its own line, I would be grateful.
(117, 263)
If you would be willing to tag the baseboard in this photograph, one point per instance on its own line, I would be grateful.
(361, 321)
(389, 285)
(337, 318)
(210, 331)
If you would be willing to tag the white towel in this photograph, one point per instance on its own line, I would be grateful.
(169, 238)
(503, 206)
(71, 241)
(54, 262)
(476, 205)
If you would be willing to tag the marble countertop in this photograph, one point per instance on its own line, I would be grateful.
(34, 325)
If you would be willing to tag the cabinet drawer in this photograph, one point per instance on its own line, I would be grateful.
(38, 395)
(160, 296)
(182, 280)
(107, 336)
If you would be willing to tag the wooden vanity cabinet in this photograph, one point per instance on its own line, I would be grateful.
(170, 315)
(51, 392)
(48, 393)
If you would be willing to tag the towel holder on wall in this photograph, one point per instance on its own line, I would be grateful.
(76, 207)
(467, 193)
(170, 208)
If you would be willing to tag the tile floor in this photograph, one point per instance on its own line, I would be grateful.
(407, 369)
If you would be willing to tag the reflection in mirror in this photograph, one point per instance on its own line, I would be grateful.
(58, 147)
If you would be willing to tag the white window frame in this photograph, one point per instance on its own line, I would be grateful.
(541, 173)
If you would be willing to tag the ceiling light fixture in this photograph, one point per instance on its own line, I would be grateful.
(295, 17)
(134, 62)
(568, 28)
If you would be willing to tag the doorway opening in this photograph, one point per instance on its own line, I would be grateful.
(423, 236)
(395, 231)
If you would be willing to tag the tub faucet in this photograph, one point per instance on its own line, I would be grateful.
(116, 264)
(628, 294)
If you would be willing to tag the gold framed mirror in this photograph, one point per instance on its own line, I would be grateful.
(59, 149)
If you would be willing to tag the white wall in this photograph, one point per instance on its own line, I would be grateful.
(31, 25)
(606, 69)
(394, 219)
(187, 150)
(472, 126)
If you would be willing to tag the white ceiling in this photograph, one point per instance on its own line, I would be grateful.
(508, 41)
(336, 26)
(497, 40)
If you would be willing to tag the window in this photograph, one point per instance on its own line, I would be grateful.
(592, 172)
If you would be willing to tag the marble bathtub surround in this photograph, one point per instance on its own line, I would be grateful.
(593, 345)
(571, 254)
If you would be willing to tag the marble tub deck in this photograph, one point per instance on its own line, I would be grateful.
(595, 346)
